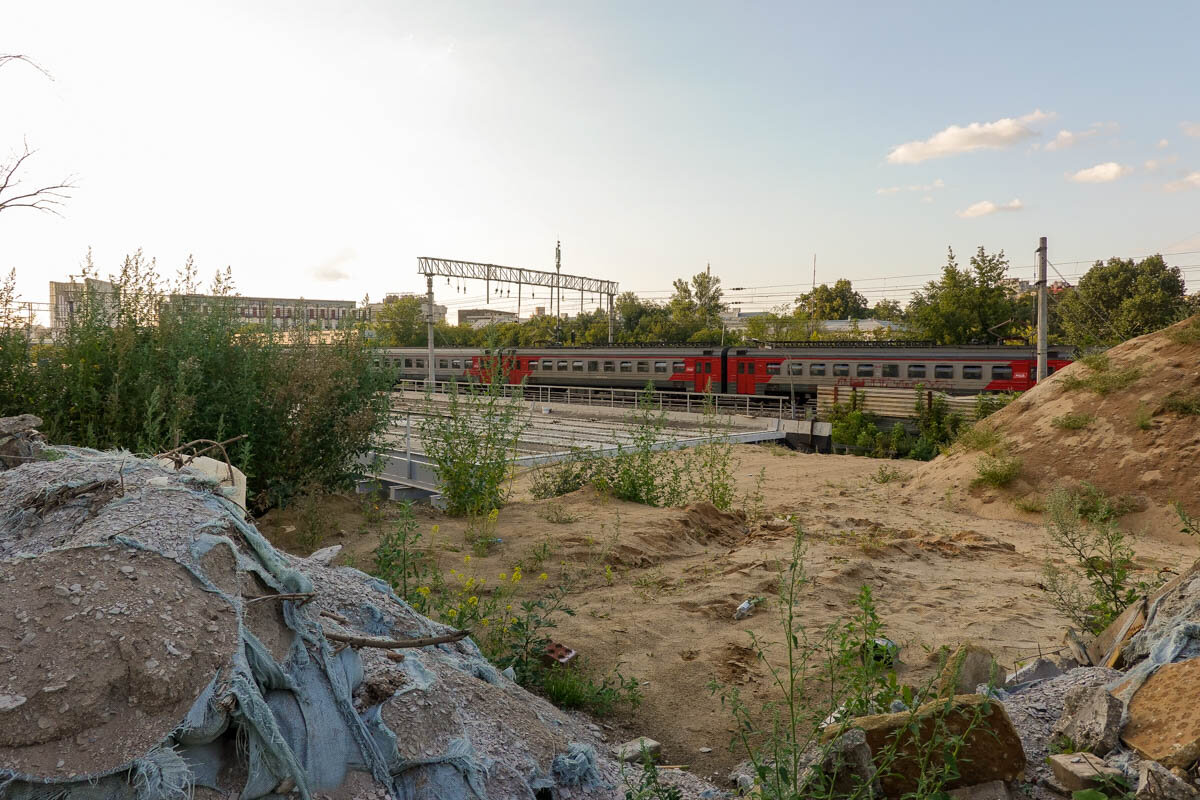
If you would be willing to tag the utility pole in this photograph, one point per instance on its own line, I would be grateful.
(610, 319)
(557, 292)
(812, 300)
(429, 328)
(1041, 310)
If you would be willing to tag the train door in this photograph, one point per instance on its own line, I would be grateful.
(745, 376)
(706, 374)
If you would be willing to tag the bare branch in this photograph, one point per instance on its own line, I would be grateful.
(13, 57)
(44, 198)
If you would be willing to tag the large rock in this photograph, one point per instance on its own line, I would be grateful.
(991, 750)
(1040, 669)
(967, 668)
(19, 441)
(1155, 782)
(844, 769)
(1163, 724)
(992, 790)
(1091, 719)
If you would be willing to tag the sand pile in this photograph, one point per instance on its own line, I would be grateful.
(1126, 429)
(155, 645)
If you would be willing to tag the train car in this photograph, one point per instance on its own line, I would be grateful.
(794, 371)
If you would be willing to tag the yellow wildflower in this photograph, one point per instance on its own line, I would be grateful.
(543, 577)
(423, 590)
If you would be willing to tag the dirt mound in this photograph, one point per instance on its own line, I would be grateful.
(1120, 421)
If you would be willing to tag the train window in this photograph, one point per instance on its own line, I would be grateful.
(456, 364)
(796, 368)
(916, 370)
(972, 372)
(562, 366)
(943, 371)
(593, 366)
(841, 369)
(608, 366)
(577, 366)
(443, 364)
(890, 370)
(708, 367)
(547, 364)
(1049, 370)
(1003, 373)
(660, 366)
(864, 370)
(677, 366)
(626, 366)
(408, 363)
(643, 366)
(816, 369)
(773, 368)
(741, 368)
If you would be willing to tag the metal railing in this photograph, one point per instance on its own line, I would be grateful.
(688, 402)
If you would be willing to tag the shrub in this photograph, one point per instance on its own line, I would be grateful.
(991, 402)
(149, 368)
(564, 477)
(1098, 585)
(1182, 403)
(470, 441)
(640, 472)
(887, 474)
(1073, 421)
(709, 466)
(996, 471)
(576, 687)
(1142, 418)
(1101, 378)
(979, 437)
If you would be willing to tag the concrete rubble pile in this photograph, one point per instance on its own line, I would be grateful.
(155, 645)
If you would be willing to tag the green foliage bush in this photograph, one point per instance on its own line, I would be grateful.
(1187, 334)
(470, 441)
(149, 369)
(996, 471)
(1187, 403)
(990, 402)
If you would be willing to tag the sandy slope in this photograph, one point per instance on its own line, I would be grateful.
(941, 574)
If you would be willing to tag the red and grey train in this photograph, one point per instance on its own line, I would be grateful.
(779, 371)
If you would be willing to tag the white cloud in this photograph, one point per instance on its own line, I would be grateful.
(1155, 163)
(1066, 139)
(985, 207)
(1191, 128)
(330, 269)
(888, 190)
(959, 139)
(1101, 173)
(1163, 144)
(1192, 181)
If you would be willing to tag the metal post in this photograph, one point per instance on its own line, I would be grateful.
(610, 319)
(408, 445)
(429, 327)
(1041, 318)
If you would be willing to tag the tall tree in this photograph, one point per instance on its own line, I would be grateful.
(966, 305)
(839, 301)
(1122, 299)
(400, 323)
(699, 299)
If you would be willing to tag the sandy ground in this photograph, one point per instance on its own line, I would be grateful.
(941, 573)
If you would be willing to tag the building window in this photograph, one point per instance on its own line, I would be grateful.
(841, 370)
(1002, 373)
(972, 372)
(943, 371)
(773, 368)
(864, 370)
(916, 370)
(816, 369)
(278, 312)
(890, 370)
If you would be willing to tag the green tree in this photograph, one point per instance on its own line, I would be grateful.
(967, 305)
(401, 323)
(889, 310)
(699, 301)
(1121, 299)
(839, 301)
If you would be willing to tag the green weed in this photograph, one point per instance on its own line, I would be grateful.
(1142, 418)
(886, 474)
(1101, 378)
(1188, 333)
(1187, 403)
(996, 471)
(576, 687)
(557, 514)
(979, 437)
(1073, 421)
(1030, 504)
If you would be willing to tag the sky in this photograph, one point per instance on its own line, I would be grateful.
(318, 148)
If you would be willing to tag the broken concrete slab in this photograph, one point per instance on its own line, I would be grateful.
(636, 750)
(1091, 719)
(966, 668)
(991, 750)
(1039, 669)
(1078, 771)
(992, 790)
(1156, 782)
(845, 768)
(1163, 724)
(19, 424)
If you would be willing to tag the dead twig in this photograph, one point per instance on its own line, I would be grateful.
(393, 644)
(303, 597)
(175, 454)
(335, 617)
